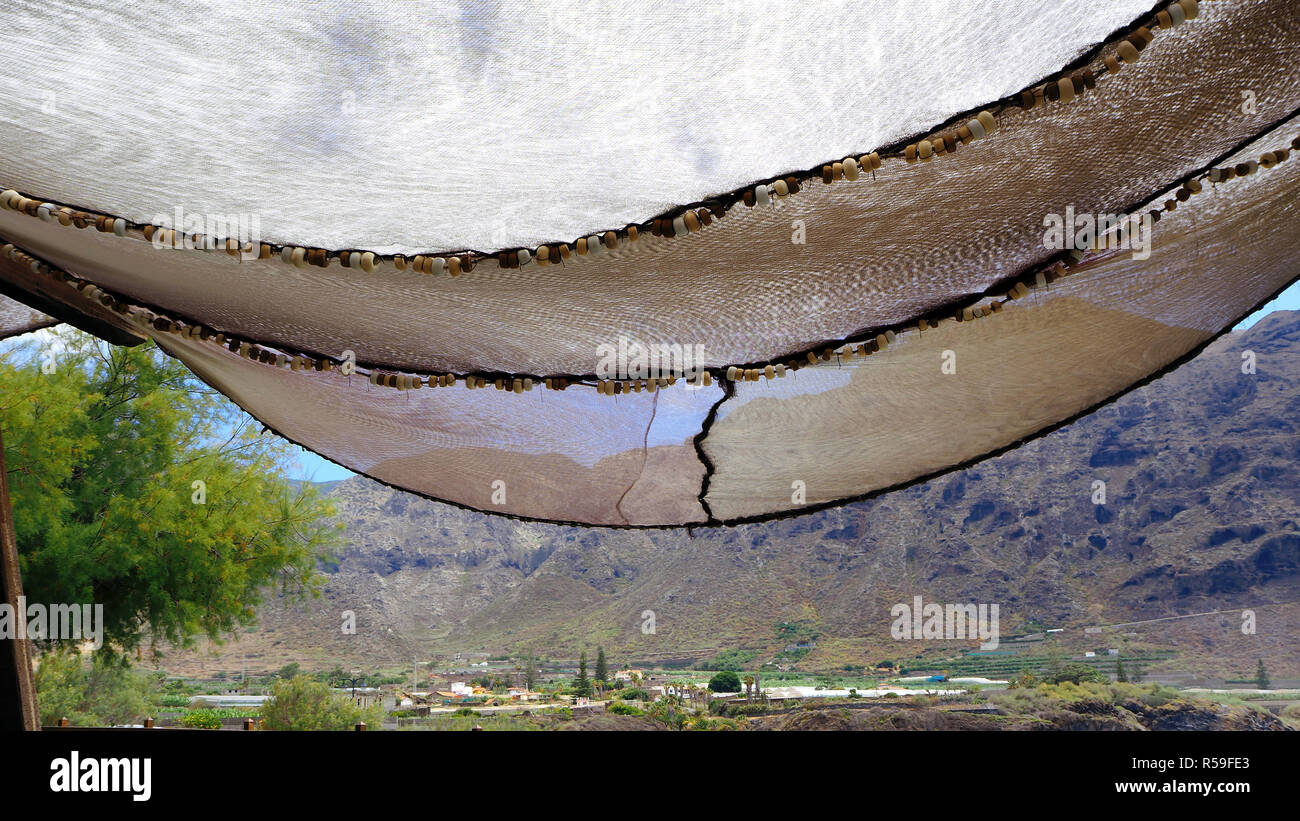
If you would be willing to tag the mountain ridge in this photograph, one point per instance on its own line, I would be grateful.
(1201, 512)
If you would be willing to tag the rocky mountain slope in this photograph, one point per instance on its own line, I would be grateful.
(1202, 512)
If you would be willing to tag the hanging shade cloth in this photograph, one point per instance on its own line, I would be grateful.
(16, 318)
(394, 126)
(840, 209)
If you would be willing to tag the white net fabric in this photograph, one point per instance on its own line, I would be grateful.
(918, 241)
(876, 252)
(394, 126)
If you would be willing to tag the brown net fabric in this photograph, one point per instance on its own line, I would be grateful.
(842, 429)
(918, 238)
(848, 428)
(16, 318)
(36, 288)
(561, 455)
(878, 251)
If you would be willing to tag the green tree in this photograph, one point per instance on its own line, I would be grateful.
(1026, 680)
(1120, 673)
(667, 711)
(602, 669)
(530, 673)
(100, 692)
(289, 670)
(106, 454)
(1261, 676)
(1055, 657)
(1076, 673)
(581, 684)
(303, 703)
(725, 682)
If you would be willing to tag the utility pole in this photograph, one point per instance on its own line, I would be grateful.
(356, 676)
(17, 691)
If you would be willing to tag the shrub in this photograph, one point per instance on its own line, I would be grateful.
(201, 720)
(1025, 679)
(303, 703)
(1159, 696)
(1291, 715)
(620, 709)
(103, 692)
(747, 710)
(634, 694)
(723, 724)
(665, 713)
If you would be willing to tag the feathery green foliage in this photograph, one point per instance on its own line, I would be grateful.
(104, 454)
(302, 703)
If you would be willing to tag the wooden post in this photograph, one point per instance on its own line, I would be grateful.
(16, 685)
(361, 726)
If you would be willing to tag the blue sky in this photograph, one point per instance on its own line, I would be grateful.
(316, 469)
(1288, 301)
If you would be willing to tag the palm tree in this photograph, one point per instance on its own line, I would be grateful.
(673, 689)
(749, 688)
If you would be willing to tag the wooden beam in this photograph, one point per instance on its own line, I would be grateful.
(64, 313)
(17, 689)
(66, 305)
